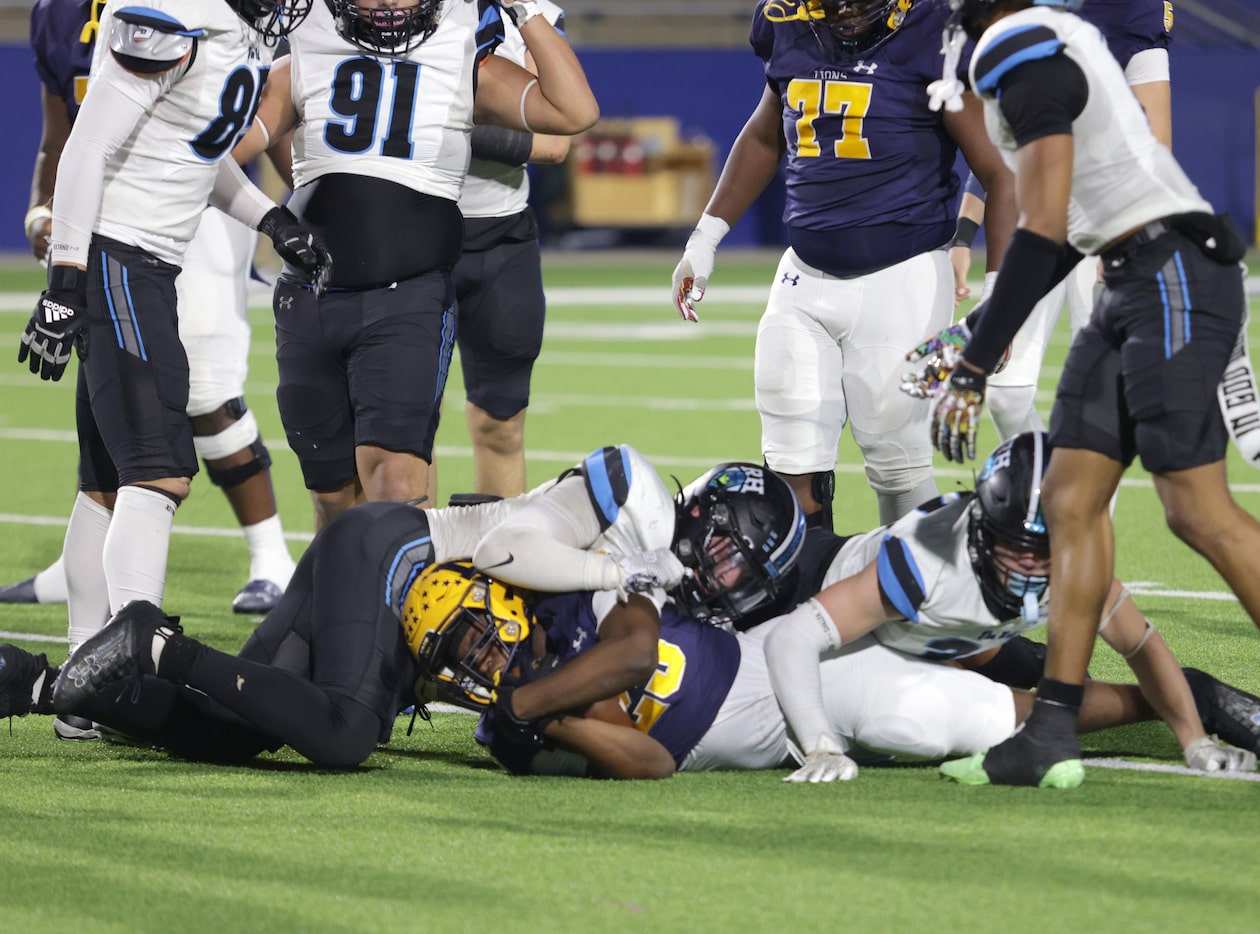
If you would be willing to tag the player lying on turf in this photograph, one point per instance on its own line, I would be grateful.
(710, 704)
(329, 669)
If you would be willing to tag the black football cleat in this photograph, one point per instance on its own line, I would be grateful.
(1229, 712)
(121, 651)
(21, 592)
(19, 670)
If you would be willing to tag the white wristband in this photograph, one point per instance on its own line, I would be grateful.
(712, 228)
(36, 216)
(523, 11)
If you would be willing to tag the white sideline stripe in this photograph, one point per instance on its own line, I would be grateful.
(1130, 766)
(31, 637)
(572, 457)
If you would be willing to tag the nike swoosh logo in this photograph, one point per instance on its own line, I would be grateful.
(510, 559)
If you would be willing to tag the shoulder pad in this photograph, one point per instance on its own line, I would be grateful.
(148, 42)
(490, 30)
(608, 474)
(1011, 49)
(899, 577)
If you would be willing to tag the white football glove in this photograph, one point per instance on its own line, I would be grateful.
(521, 11)
(826, 763)
(647, 571)
(691, 275)
(1208, 755)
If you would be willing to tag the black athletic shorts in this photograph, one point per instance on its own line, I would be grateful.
(1141, 378)
(131, 405)
(362, 368)
(337, 624)
(498, 284)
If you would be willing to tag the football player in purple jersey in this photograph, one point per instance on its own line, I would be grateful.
(871, 195)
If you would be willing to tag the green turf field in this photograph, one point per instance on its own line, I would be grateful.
(430, 836)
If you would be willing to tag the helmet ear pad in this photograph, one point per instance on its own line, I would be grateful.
(736, 516)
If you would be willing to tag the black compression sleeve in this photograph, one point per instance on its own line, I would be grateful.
(1032, 266)
(499, 144)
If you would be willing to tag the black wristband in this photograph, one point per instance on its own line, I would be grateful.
(965, 235)
(1032, 266)
(499, 144)
(67, 278)
(966, 378)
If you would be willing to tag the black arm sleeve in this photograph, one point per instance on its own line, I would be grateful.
(1032, 266)
(499, 144)
(1042, 97)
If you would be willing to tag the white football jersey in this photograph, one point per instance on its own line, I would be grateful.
(158, 182)
(925, 571)
(1122, 177)
(493, 189)
(405, 119)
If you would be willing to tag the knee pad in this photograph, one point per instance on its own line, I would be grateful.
(240, 435)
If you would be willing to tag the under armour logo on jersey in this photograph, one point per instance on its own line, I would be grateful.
(790, 279)
(56, 312)
(578, 640)
(285, 302)
(862, 68)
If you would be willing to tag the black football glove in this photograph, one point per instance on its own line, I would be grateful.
(59, 317)
(299, 246)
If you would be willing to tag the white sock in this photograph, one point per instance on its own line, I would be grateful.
(269, 557)
(137, 545)
(38, 687)
(160, 635)
(892, 506)
(50, 583)
(87, 591)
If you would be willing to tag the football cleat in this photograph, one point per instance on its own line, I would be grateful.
(70, 727)
(21, 592)
(1069, 773)
(258, 596)
(121, 651)
(19, 670)
(1226, 711)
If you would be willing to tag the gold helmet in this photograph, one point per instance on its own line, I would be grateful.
(447, 602)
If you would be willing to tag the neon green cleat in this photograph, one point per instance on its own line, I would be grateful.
(1067, 773)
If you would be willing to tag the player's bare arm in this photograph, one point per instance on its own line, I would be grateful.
(967, 128)
(54, 131)
(753, 161)
(277, 115)
(612, 749)
(1045, 186)
(559, 100)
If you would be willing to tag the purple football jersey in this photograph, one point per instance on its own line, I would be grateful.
(863, 149)
(62, 59)
(1130, 26)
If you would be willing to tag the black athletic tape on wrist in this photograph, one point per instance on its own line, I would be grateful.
(966, 232)
(67, 278)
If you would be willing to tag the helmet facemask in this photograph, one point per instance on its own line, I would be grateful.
(739, 530)
(271, 19)
(387, 30)
(848, 29)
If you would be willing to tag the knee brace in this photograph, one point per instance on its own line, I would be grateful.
(822, 486)
(242, 434)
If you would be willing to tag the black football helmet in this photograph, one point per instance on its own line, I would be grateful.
(850, 28)
(970, 13)
(1006, 510)
(272, 19)
(386, 31)
(740, 519)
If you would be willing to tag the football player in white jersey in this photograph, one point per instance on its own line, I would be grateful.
(1141, 378)
(327, 671)
(946, 582)
(213, 323)
(173, 85)
(1137, 33)
(498, 285)
(384, 98)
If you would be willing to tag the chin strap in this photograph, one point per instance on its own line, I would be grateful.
(947, 91)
